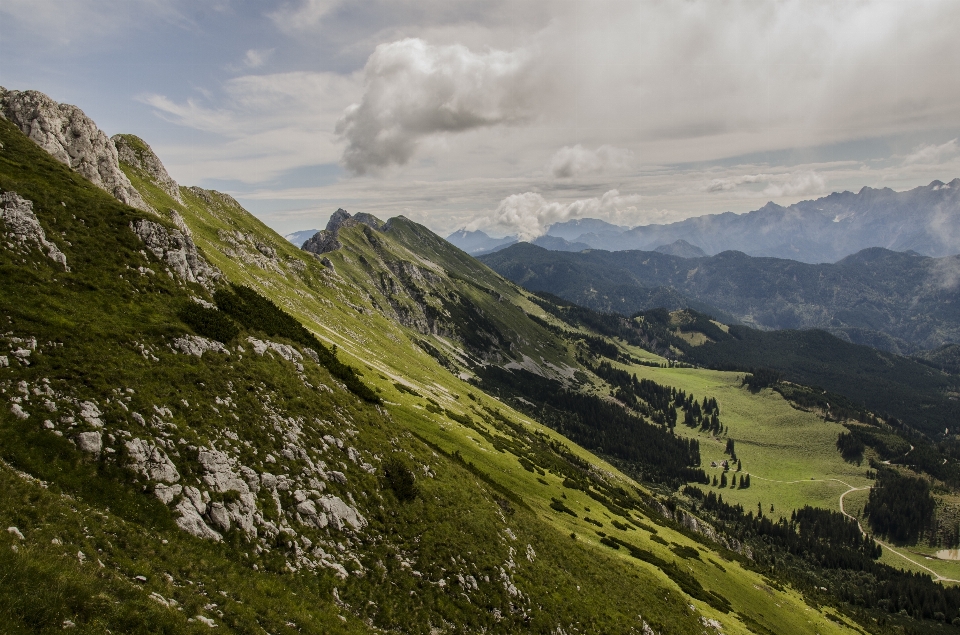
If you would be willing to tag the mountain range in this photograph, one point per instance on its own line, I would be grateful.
(895, 301)
(924, 220)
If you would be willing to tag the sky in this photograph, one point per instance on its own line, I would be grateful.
(508, 116)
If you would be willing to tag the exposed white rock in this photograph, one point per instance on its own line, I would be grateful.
(288, 353)
(269, 481)
(90, 442)
(90, 413)
(73, 139)
(354, 455)
(177, 250)
(196, 345)
(151, 462)
(196, 498)
(219, 516)
(19, 412)
(192, 523)
(23, 227)
(15, 532)
(221, 477)
(166, 493)
(340, 514)
(135, 152)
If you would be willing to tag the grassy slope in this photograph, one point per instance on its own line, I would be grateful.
(98, 508)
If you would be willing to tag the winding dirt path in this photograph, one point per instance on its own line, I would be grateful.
(936, 576)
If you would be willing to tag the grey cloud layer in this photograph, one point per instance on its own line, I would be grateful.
(413, 89)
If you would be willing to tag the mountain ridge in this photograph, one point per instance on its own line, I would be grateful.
(923, 219)
(894, 300)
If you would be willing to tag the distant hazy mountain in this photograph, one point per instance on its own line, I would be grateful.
(478, 242)
(925, 220)
(298, 238)
(681, 248)
(572, 230)
(894, 301)
(555, 243)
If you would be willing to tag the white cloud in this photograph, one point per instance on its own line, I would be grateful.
(931, 153)
(269, 123)
(413, 90)
(803, 184)
(302, 16)
(255, 58)
(729, 183)
(788, 184)
(528, 215)
(571, 161)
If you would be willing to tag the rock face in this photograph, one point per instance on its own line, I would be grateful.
(151, 462)
(23, 228)
(220, 476)
(135, 152)
(177, 250)
(90, 442)
(196, 345)
(73, 139)
(326, 240)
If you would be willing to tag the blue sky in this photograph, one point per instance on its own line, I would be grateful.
(508, 116)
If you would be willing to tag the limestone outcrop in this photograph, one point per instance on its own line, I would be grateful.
(177, 250)
(135, 152)
(23, 230)
(72, 138)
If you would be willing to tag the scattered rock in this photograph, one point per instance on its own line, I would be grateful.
(15, 532)
(19, 412)
(340, 514)
(178, 251)
(166, 493)
(90, 442)
(191, 522)
(24, 229)
(151, 462)
(90, 413)
(196, 345)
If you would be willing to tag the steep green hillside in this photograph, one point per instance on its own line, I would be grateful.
(162, 479)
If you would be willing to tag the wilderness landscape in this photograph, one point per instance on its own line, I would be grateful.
(682, 364)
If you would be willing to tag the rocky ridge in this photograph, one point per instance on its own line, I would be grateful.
(135, 152)
(72, 138)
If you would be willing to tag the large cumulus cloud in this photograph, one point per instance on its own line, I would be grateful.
(413, 89)
(528, 215)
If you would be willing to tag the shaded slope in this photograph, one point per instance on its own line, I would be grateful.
(893, 301)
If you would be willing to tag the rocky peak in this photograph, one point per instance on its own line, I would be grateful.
(135, 152)
(337, 219)
(326, 240)
(72, 138)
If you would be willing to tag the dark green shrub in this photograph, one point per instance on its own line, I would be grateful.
(256, 312)
(209, 322)
(399, 478)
